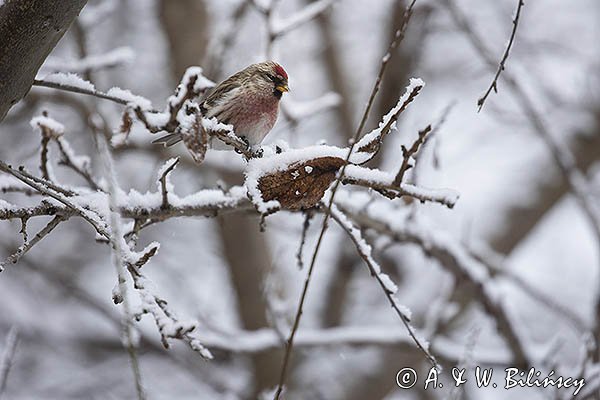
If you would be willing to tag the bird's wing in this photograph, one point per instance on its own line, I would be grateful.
(219, 92)
(221, 106)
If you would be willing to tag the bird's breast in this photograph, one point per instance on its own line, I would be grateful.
(252, 115)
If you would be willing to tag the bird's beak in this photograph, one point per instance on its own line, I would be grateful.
(283, 88)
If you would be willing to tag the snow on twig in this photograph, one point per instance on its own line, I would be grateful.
(389, 288)
(383, 182)
(408, 155)
(371, 141)
(450, 255)
(70, 80)
(25, 247)
(78, 86)
(52, 130)
(61, 196)
(398, 37)
(165, 182)
(121, 255)
(130, 99)
(281, 26)
(111, 59)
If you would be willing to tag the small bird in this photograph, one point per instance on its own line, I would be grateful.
(248, 100)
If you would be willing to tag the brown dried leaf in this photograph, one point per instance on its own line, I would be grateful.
(302, 185)
(196, 140)
(126, 123)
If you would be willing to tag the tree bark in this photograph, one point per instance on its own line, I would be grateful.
(29, 30)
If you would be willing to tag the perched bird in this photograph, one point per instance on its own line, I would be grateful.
(248, 100)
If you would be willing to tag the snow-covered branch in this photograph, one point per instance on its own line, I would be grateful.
(111, 59)
(281, 26)
(452, 257)
(387, 285)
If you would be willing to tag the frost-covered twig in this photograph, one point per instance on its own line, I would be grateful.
(383, 182)
(218, 48)
(24, 174)
(455, 260)
(264, 339)
(389, 287)
(119, 258)
(204, 203)
(384, 62)
(10, 347)
(90, 206)
(281, 26)
(25, 247)
(436, 127)
(50, 190)
(409, 154)
(169, 326)
(494, 263)
(371, 142)
(47, 134)
(577, 181)
(175, 118)
(79, 164)
(53, 130)
(79, 89)
(111, 59)
(494, 85)
(277, 28)
(164, 183)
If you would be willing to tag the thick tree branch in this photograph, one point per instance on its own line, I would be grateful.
(29, 30)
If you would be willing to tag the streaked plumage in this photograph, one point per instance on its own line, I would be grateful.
(248, 100)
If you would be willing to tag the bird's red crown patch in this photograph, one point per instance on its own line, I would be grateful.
(280, 71)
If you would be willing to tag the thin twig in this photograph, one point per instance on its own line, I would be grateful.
(119, 262)
(375, 271)
(577, 181)
(491, 260)
(44, 169)
(57, 188)
(410, 153)
(229, 204)
(456, 261)
(76, 89)
(50, 191)
(17, 189)
(494, 85)
(22, 250)
(163, 183)
(307, 217)
(445, 197)
(372, 145)
(68, 161)
(7, 357)
(384, 62)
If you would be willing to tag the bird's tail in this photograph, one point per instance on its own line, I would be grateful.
(169, 140)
